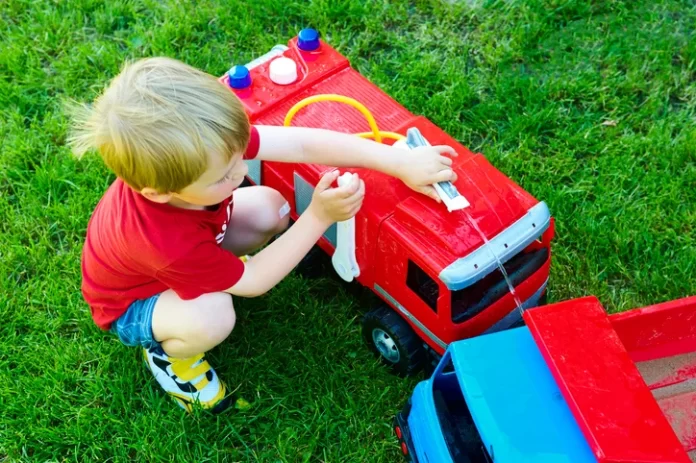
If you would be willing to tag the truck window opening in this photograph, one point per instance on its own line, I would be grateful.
(461, 435)
(420, 283)
(471, 301)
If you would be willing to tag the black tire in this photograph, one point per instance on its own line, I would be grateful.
(432, 360)
(401, 349)
(315, 264)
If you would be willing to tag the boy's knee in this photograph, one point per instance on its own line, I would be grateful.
(278, 217)
(220, 317)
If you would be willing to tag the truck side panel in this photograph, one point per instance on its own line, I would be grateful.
(657, 331)
(661, 339)
(391, 275)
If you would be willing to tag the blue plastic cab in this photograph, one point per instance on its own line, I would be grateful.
(491, 399)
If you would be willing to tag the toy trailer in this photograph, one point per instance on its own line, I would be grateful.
(438, 280)
(575, 385)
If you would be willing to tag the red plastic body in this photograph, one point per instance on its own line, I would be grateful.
(395, 224)
(629, 378)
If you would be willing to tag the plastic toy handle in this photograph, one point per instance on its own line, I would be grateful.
(446, 190)
(343, 259)
(277, 50)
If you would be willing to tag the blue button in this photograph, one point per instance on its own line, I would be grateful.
(239, 77)
(308, 40)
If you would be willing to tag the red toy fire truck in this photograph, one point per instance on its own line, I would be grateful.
(435, 266)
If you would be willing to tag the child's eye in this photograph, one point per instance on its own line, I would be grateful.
(223, 179)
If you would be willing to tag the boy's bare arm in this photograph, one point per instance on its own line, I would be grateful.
(418, 168)
(267, 268)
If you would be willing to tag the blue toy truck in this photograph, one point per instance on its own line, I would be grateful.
(574, 385)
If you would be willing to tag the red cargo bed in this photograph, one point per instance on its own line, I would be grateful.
(604, 388)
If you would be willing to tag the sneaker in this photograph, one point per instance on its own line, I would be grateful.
(189, 381)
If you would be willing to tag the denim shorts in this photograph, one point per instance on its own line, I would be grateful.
(134, 328)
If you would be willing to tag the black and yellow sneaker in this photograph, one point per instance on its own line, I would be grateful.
(189, 381)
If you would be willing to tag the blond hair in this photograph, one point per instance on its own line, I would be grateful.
(158, 122)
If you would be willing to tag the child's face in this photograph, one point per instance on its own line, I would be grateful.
(216, 184)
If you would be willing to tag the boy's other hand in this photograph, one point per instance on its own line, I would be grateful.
(421, 167)
(339, 203)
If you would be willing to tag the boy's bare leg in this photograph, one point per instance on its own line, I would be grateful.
(258, 214)
(188, 328)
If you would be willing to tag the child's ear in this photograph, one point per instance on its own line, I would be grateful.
(153, 195)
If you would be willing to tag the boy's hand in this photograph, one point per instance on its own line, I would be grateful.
(337, 204)
(273, 263)
(421, 167)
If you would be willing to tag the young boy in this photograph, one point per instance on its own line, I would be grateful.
(160, 261)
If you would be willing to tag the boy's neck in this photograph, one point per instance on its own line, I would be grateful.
(176, 202)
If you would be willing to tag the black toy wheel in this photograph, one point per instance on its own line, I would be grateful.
(393, 340)
(315, 264)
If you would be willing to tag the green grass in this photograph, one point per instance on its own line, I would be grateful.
(532, 84)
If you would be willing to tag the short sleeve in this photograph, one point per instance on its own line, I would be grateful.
(206, 268)
(253, 145)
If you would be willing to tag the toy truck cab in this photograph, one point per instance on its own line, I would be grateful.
(435, 271)
(574, 385)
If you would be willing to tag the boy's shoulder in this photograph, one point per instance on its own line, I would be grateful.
(125, 225)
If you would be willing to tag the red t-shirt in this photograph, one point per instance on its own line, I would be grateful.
(136, 248)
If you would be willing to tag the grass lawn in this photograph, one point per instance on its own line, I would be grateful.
(588, 105)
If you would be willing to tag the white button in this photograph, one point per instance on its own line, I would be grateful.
(283, 71)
